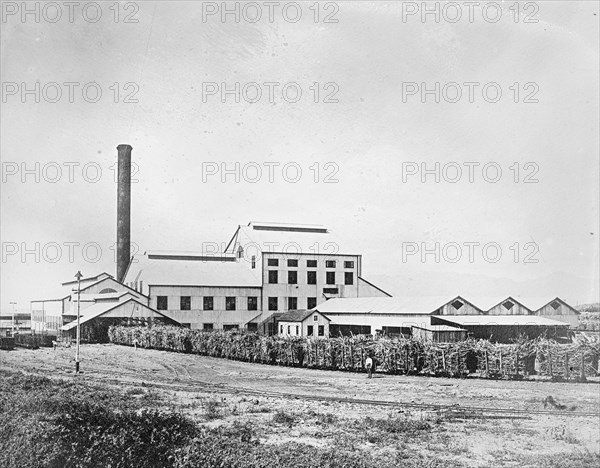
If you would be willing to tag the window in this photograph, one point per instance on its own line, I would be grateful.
(281, 329)
(297, 330)
(329, 263)
(292, 303)
(316, 318)
(311, 263)
(292, 277)
(207, 326)
(161, 303)
(230, 327)
(348, 264)
(508, 305)
(252, 326)
(457, 304)
(185, 303)
(311, 302)
(252, 303)
(273, 262)
(309, 330)
(288, 329)
(321, 330)
(272, 276)
(272, 303)
(348, 277)
(292, 263)
(240, 252)
(253, 262)
(311, 277)
(555, 305)
(331, 290)
(207, 303)
(330, 277)
(107, 291)
(230, 303)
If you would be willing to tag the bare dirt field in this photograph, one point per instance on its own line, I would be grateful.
(474, 422)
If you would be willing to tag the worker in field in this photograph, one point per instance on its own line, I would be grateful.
(369, 366)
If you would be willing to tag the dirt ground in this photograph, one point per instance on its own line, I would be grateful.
(326, 407)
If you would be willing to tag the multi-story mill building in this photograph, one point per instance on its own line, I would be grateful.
(265, 269)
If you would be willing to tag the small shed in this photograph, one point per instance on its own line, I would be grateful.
(439, 333)
(303, 323)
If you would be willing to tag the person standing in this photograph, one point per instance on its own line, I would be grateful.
(369, 366)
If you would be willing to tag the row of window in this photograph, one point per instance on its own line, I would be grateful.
(311, 277)
(185, 303)
(309, 330)
(309, 263)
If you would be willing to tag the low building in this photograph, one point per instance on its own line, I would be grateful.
(97, 318)
(505, 328)
(309, 323)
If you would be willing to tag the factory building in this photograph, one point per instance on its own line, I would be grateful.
(265, 269)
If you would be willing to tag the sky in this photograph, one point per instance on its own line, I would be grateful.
(390, 100)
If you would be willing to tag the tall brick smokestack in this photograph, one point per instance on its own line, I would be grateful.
(123, 210)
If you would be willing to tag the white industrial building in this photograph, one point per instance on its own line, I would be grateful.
(265, 269)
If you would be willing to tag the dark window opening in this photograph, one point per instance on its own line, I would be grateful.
(272, 276)
(311, 302)
(348, 264)
(252, 303)
(309, 330)
(321, 330)
(207, 326)
(272, 303)
(297, 330)
(508, 305)
(311, 277)
(555, 305)
(185, 303)
(281, 329)
(331, 290)
(349, 278)
(162, 303)
(457, 304)
(230, 327)
(273, 262)
(329, 263)
(292, 263)
(207, 303)
(292, 303)
(230, 303)
(292, 277)
(252, 326)
(330, 277)
(253, 261)
(311, 263)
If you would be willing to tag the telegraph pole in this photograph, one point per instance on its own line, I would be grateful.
(78, 276)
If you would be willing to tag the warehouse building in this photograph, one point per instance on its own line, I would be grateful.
(265, 269)
(310, 323)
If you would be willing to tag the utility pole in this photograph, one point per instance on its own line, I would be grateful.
(13, 318)
(78, 276)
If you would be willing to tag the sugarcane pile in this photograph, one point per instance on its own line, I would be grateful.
(545, 357)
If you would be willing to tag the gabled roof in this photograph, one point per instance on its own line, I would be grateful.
(298, 315)
(537, 303)
(89, 278)
(383, 305)
(500, 320)
(175, 270)
(102, 308)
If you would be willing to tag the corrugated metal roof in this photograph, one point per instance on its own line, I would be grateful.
(502, 320)
(439, 328)
(166, 271)
(384, 305)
